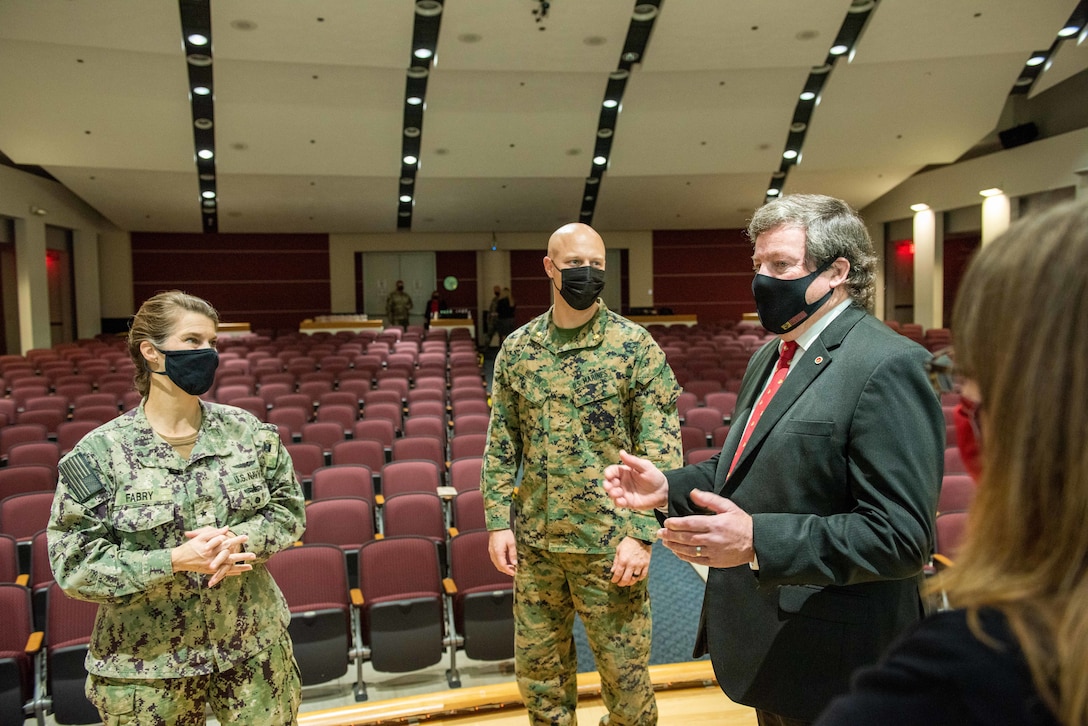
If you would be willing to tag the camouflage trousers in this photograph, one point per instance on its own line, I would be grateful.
(264, 690)
(548, 589)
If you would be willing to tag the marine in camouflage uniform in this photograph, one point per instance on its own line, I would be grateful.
(398, 305)
(124, 500)
(564, 409)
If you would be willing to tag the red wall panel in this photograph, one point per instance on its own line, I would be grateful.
(703, 272)
(271, 281)
(462, 265)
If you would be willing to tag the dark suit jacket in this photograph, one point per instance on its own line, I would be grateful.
(942, 674)
(841, 477)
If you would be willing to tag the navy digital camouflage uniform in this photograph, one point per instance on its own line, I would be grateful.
(564, 411)
(124, 499)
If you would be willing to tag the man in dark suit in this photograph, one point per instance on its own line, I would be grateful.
(817, 516)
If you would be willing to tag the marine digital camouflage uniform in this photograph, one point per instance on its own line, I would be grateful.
(564, 412)
(397, 307)
(124, 499)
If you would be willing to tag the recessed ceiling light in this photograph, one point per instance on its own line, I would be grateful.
(201, 90)
(991, 192)
(1036, 60)
(919, 207)
(409, 160)
(807, 95)
(198, 39)
(839, 49)
(644, 12)
(610, 103)
(208, 194)
(406, 197)
(789, 154)
(798, 126)
(630, 56)
(411, 132)
(199, 60)
(423, 53)
(428, 8)
(1068, 31)
(772, 192)
(417, 72)
(604, 133)
(600, 160)
(205, 153)
(203, 123)
(414, 100)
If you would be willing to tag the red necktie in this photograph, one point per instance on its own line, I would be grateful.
(789, 348)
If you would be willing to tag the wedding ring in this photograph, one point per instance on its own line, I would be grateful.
(698, 551)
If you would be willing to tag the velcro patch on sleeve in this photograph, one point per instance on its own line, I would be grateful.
(80, 478)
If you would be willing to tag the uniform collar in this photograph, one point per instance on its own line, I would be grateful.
(591, 335)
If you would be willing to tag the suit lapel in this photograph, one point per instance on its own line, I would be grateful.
(814, 362)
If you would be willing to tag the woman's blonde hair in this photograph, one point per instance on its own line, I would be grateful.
(155, 321)
(1021, 330)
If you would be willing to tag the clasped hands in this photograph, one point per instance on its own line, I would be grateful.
(722, 538)
(212, 551)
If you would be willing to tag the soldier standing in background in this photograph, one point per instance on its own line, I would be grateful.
(398, 305)
(165, 516)
(571, 389)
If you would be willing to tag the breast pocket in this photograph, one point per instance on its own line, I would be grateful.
(601, 412)
(146, 526)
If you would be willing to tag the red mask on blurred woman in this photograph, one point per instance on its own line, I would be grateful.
(969, 436)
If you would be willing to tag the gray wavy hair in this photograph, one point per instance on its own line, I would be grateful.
(832, 229)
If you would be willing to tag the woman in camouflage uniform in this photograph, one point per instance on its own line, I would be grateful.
(164, 517)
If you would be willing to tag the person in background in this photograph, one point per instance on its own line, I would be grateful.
(491, 323)
(571, 389)
(817, 517)
(1015, 648)
(434, 307)
(164, 517)
(505, 312)
(398, 306)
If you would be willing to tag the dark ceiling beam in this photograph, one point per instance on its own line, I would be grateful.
(639, 30)
(196, 38)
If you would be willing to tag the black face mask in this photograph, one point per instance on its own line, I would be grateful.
(781, 303)
(581, 286)
(193, 371)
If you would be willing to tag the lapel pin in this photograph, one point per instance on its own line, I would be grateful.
(818, 360)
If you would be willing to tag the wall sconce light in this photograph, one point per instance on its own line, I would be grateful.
(38, 211)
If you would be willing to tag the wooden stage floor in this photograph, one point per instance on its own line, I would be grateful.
(687, 695)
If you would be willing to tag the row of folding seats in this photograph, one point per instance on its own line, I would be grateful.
(404, 614)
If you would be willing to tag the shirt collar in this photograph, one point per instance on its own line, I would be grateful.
(805, 339)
